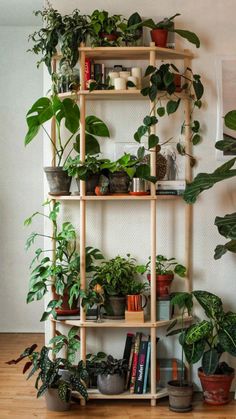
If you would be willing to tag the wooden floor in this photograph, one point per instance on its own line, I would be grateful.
(18, 398)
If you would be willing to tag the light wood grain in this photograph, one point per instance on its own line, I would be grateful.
(126, 197)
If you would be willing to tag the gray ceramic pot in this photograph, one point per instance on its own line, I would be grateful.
(116, 306)
(180, 397)
(53, 401)
(119, 182)
(91, 184)
(111, 384)
(58, 180)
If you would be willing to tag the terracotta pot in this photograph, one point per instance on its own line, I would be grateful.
(216, 387)
(163, 283)
(58, 181)
(135, 302)
(180, 397)
(65, 309)
(110, 37)
(159, 36)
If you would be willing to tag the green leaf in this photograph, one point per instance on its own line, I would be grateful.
(210, 361)
(195, 126)
(153, 92)
(168, 78)
(141, 153)
(153, 140)
(198, 332)
(174, 68)
(149, 70)
(161, 111)
(196, 139)
(220, 250)
(227, 339)
(190, 36)
(172, 106)
(211, 303)
(230, 120)
(91, 144)
(227, 225)
(96, 126)
(71, 114)
(194, 352)
(198, 89)
(228, 144)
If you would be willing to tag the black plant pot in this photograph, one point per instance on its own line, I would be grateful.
(111, 383)
(58, 181)
(91, 184)
(119, 182)
(115, 307)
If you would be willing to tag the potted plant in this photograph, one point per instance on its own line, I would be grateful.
(89, 170)
(93, 362)
(61, 271)
(181, 391)
(165, 271)
(159, 31)
(115, 277)
(131, 31)
(208, 340)
(67, 111)
(111, 375)
(104, 29)
(134, 298)
(49, 381)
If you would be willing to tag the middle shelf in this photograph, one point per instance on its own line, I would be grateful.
(114, 197)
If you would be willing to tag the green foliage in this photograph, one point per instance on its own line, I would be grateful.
(101, 24)
(165, 266)
(48, 372)
(71, 343)
(112, 366)
(94, 127)
(206, 340)
(83, 170)
(131, 29)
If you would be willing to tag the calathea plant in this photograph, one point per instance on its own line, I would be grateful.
(207, 340)
(62, 270)
(162, 86)
(112, 366)
(48, 373)
(226, 225)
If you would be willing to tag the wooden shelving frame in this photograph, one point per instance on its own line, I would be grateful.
(151, 54)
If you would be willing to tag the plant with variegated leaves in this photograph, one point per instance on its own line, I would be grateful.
(206, 340)
(48, 373)
(71, 343)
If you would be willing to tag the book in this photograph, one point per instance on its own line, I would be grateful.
(147, 367)
(138, 389)
(87, 75)
(129, 343)
(171, 184)
(167, 192)
(128, 376)
(135, 361)
(98, 72)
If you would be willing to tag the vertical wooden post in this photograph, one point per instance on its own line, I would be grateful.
(153, 251)
(82, 209)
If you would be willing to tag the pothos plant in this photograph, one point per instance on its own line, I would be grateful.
(162, 84)
(206, 340)
(48, 373)
(226, 225)
(102, 24)
(67, 111)
(60, 270)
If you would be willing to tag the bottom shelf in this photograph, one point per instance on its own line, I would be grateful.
(95, 394)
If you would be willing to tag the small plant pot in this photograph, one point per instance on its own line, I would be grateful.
(119, 182)
(180, 396)
(135, 302)
(110, 37)
(159, 36)
(58, 181)
(216, 388)
(65, 309)
(116, 307)
(111, 383)
(91, 184)
(53, 401)
(163, 284)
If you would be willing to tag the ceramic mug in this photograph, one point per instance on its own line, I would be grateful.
(135, 302)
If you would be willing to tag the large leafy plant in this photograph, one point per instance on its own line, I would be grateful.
(207, 340)
(165, 266)
(66, 113)
(48, 373)
(62, 270)
(226, 225)
(131, 29)
(168, 24)
(162, 86)
(112, 366)
(101, 24)
(83, 170)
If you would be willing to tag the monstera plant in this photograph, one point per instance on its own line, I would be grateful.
(208, 340)
(226, 225)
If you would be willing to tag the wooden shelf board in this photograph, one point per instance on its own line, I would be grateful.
(125, 197)
(120, 323)
(117, 95)
(95, 394)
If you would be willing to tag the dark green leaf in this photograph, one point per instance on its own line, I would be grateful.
(96, 126)
(161, 111)
(172, 106)
(91, 144)
(230, 120)
(198, 332)
(227, 339)
(198, 89)
(194, 352)
(149, 70)
(227, 225)
(153, 140)
(196, 139)
(190, 36)
(210, 361)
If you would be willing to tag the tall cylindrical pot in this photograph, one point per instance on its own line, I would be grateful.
(180, 396)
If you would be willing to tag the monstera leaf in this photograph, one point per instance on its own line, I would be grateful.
(210, 361)
(210, 303)
(198, 332)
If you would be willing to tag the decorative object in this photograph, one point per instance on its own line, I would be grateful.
(111, 375)
(137, 72)
(139, 186)
(112, 76)
(120, 83)
(163, 308)
(124, 74)
(134, 81)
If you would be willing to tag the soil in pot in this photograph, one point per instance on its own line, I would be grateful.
(119, 182)
(115, 307)
(91, 184)
(53, 401)
(216, 388)
(163, 283)
(58, 181)
(159, 36)
(180, 396)
(111, 384)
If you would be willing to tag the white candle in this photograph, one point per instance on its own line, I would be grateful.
(135, 81)
(124, 74)
(120, 83)
(137, 72)
(113, 75)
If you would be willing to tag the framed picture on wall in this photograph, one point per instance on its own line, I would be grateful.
(226, 86)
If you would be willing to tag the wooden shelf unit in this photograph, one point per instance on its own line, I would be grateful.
(117, 95)
(151, 54)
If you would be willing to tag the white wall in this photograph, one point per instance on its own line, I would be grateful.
(119, 228)
(21, 178)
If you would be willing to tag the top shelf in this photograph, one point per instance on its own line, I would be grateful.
(133, 53)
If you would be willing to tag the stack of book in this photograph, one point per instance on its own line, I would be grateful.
(170, 187)
(137, 354)
(98, 71)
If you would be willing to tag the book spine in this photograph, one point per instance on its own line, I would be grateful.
(167, 192)
(128, 346)
(128, 376)
(135, 361)
(138, 389)
(98, 72)
(87, 75)
(147, 368)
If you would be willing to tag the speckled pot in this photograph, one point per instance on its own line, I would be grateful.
(58, 181)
